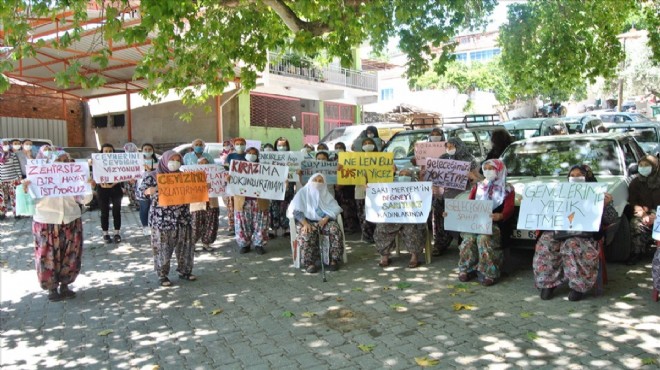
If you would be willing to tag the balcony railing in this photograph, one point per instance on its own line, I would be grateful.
(302, 68)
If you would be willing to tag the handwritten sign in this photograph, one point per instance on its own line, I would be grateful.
(562, 206)
(469, 216)
(182, 188)
(358, 168)
(117, 167)
(425, 150)
(257, 180)
(328, 169)
(656, 225)
(216, 177)
(291, 159)
(447, 173)
(398, 202)
(256, 144)
(59, 179)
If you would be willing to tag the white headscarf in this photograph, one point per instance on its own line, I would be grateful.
(310, 198)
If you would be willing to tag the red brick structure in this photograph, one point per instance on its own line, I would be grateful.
(26, 101)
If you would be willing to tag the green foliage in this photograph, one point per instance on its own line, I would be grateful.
(652, 20)
(208, 43)
(553, 48)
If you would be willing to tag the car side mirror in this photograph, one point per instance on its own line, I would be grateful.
(632, 169)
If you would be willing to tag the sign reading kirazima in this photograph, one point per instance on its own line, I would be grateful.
(59, 179)
(182, 188)
(398, 202)
(469, 216)
(216, 177)
(562, 206)
(447, 173)
(291, 159)
(258, 180)
(328, 169)
(425, 150)
(359, 168)
(117, 167)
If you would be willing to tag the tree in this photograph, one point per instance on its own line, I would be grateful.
(553, 48)
(201, 42)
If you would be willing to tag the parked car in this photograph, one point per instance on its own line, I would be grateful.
(585, 124)
(622, 117)
(647, 134)
(613, 158)
(81, 154)
(348, 134)
(532, 127)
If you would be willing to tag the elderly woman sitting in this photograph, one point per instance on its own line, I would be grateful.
(315, 212)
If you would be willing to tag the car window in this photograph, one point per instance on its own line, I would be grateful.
(484, 137)
(335, 133)
(639, 118)
(214, 150)
(403, 145)
(555, 158)
(519, 134)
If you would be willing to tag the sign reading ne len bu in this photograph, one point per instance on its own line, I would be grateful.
(447, 173)
(59, 179)
(359, 168)
(257, 180)
(117, 167)
(182, 188)
(562, 206)
(469, 216)
(398, 202)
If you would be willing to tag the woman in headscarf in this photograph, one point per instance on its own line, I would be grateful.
(58, 240)
(10, 178)
(315, 211)
(481, 254)
(150, 164)
(371, 132)
(563, 255)
(457, 151)
(205, 219)
(644, 198)
(45, 153)
(251, 217)
(171, 229)
(130, 185)
(368, 146)
(500, 139)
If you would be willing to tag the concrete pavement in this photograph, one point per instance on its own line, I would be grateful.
(257, 312)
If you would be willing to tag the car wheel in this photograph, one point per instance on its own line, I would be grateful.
(619, 249)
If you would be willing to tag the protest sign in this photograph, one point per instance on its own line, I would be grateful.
(59, 179)
(257, 180)
(326, 168)
(256, 144)
(425, 150)
(117, 167)
(447, 173)
(36, 162)
(358, 168)
(469, 216)
(182, 188)
(562, 206)
(656, 225)
(291, 159)
(216, 177)
(398, 202)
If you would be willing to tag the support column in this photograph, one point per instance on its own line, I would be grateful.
(129, 117)
(321, 119)
(218, 119)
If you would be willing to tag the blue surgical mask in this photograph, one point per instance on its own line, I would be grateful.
(147, 154)
(404, 179)
(198, 149)
(645, 170)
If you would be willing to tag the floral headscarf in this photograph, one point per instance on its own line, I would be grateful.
(497, 189)
(41, 155)
(162, 164)
(462, 152)
(130, 148)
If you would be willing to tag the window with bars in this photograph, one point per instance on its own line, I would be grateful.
(274, 111)
(337, 115)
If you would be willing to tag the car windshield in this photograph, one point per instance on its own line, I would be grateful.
(403, 145)
(520, 134)
(555, 158)
(335, 133)
(641, 134)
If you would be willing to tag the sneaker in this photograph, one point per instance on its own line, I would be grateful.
(259, 250)
(107, 239)
(575, 296)
(146, 230)
(117, 238)
(547, 293)
(244, 250)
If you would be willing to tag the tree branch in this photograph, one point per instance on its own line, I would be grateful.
(293, 22)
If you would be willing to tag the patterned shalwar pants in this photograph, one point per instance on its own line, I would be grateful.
(229, 202)
(572, 259)
(481, 253)
(179, 240)
(278, 209)
(308, 243)
(8, 196)
(640, 236)
(655, 269)
(57, 252)
(205, 225)
(413, 237)
(251, 225)
(441, 238)
(366, 226)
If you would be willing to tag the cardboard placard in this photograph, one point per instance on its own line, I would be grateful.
(59, 179)
(216, 177)
(469, 216)
(117, 167)
(359, 168)
(447, 173)
(398, 202)
(291, 159)
(328, 169)
(425, 150)
(257, 180)
(656, 225)
(182, 188)
(256, 144)
(562, 206)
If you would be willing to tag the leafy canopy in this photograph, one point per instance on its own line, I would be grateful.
(208, 43)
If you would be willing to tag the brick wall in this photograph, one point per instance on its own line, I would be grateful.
(35, 102)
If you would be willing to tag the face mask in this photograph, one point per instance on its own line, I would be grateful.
(226, 148)
(339, 150)
(27, 147)
(318, 185)
(147, 154)
(173, 165)
(282, 148)
(251, 157)
(644, 170)
(198, 149)
(451, 151)
(16, 147)
(490, 175)
(577, 179)
(370, 135)
(404, 178)
(435, 139)
(368, 147)
(240, 149)
(268, 149)
(5, 148)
